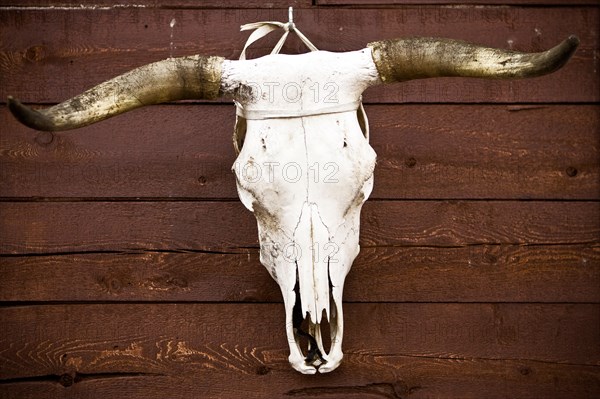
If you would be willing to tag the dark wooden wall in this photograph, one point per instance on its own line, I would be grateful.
(129, 269)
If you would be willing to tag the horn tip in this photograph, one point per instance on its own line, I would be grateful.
(11, 102)
(570, 44)
(563, 52)
(573, 40)
(29, 117)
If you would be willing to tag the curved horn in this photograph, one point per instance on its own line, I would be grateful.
(184, 78)
(416, 58)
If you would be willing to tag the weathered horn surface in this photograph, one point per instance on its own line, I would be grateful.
(184, 78)
(416, 58)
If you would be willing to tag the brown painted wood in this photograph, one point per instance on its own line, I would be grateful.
(371, 3)
(176, 4)
(487, 151)
(391, 377)
(59, 227)
(506, 273)
(195, 4)
(128, 268)
(227, 350)
(424, 151)
(51, 55)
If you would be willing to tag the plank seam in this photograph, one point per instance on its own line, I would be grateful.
(68, 379)
(236, 200)
(134, 251)
(243, 250)
(13, 304)
(489, 359)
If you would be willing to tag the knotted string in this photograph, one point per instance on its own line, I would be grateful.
(261, 29)
(266, 27)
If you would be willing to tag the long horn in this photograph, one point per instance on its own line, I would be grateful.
(416, 58)
(184, 78)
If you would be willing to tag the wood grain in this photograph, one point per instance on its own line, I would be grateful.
(498, 273)
(129, 269)
(371, 3)
(225, 348)
(51, 55)
(59, 227)
(424, 151)
(392, 377)
(164, 4)
(194, 4)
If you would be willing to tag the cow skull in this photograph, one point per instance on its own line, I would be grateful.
(304, 164)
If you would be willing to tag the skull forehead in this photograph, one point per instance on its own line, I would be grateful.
(321, 159)
(309, 82)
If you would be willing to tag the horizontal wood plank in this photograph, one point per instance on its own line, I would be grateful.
(512, 152)
(241, 348)
(59, 227)
(506, 273)
(424, 151)
(51, 55)
(393, 377)
(143, 4)
(370, 3)
(239, 4)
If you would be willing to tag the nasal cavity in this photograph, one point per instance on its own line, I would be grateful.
(309, 333)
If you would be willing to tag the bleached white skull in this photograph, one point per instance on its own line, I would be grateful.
(305, 166)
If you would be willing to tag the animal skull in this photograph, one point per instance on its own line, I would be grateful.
(304, 164)
(305, 175)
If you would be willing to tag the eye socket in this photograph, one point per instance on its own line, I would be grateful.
(239, 133)
(363, 121)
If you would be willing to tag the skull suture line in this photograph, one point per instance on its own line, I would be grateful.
(304, 165)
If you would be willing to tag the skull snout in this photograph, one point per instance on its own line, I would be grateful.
(316, 346)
